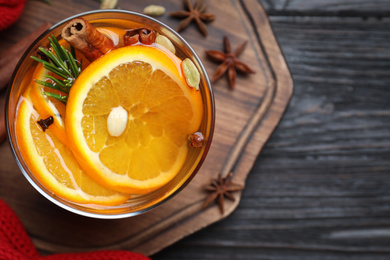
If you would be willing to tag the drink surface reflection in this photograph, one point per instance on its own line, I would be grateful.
(111, 137)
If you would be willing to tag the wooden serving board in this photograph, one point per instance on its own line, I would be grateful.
(258, 99)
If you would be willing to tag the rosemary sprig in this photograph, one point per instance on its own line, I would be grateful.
(61, 63)
(60, 98)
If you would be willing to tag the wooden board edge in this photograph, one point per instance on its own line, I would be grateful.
(163, 236)
(283, 92)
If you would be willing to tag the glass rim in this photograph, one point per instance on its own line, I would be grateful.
(57, 202)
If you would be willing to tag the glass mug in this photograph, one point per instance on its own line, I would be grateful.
(137, 203)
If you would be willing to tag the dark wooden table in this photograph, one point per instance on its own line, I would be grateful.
(320, 189)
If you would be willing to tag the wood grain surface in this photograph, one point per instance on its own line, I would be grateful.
(246, 117)
(320, 188)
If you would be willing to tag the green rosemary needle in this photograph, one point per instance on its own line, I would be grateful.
(60, 98)
(62, 63)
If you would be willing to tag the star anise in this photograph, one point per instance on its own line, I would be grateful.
(197, 13)
(230, 62)
(219, 189)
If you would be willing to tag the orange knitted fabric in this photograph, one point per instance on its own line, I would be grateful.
(10, 10)
(15, 244)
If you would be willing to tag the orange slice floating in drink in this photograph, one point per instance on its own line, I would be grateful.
(47, 106)
(54, 165)
(155, 110)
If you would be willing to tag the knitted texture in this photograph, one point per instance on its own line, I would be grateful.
(14, 241)
(15, 244)
(10, 10)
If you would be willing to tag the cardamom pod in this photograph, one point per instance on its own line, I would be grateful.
(154, 10)
(108, 4)
(191, 73)
(165, 42)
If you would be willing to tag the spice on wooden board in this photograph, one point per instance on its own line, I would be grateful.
(220, 189)
(230, 62)
(108, 4)
(194, 13)
(154, 10)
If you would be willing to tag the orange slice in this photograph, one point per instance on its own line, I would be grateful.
(161, 111)
(54, 165)
(47, 106)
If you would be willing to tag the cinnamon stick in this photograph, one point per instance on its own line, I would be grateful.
(10, 58)
(86, 38)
